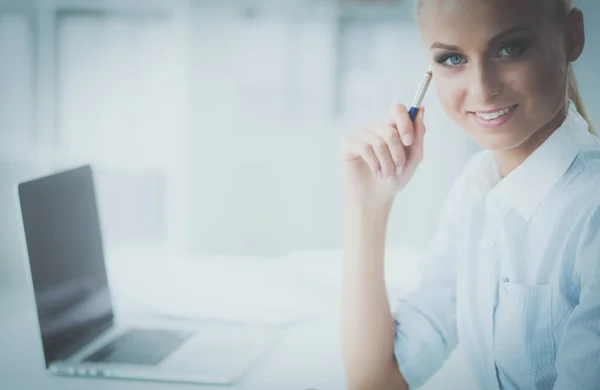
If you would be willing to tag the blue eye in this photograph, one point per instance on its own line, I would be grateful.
(454, 60)
(511, 50)
(450, 60)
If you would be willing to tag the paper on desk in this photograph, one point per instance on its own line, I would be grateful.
(247, 290)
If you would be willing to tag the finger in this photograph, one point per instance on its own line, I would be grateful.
(381, 150)
(400, 118)
(416, 150)
(392, 137)
(359, 148)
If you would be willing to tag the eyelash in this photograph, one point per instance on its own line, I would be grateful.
(521, 46)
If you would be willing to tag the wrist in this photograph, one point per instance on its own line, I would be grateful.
(370, 217)
(372, 212)
(366, 230)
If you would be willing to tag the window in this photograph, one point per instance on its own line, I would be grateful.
(17, 148)
(17, 91)
(121, 105)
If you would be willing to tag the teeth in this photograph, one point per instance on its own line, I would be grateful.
(493, 115)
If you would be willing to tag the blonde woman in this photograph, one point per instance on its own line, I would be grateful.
(513, 273)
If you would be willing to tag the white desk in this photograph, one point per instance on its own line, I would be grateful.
(307, 355)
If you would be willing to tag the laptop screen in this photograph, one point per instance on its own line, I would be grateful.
(66, 257)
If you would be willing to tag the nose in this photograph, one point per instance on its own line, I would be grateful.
(486, 84)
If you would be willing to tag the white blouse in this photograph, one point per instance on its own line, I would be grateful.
(513, 273)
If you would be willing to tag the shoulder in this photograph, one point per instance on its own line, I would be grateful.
(577, 201)
(590, 210)
(589, 156)
(586, 230)
(577, 194)
(580, 191)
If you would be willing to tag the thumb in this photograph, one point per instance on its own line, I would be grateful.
(415, 151)
(419, 129)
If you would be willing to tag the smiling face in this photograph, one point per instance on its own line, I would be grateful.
(500, 66)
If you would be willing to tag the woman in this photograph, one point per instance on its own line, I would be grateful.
(513, 273)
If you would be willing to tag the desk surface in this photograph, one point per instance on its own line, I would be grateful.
(307, 355)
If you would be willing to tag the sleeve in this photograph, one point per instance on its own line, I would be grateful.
(578, 354)
(426, 318)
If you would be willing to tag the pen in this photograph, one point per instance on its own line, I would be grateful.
(414, 108)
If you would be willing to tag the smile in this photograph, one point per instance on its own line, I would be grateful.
(493, 118)
(494, 115)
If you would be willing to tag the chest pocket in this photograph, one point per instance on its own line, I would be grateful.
(524, 323)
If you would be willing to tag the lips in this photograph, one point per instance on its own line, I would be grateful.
(494, 114)
(493, 118)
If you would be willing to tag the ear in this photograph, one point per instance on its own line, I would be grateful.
(575, 34)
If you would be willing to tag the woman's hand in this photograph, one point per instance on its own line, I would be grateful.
(381, 158)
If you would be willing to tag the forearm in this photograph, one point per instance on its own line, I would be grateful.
(368, 330)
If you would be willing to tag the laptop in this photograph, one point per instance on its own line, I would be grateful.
(80, 333)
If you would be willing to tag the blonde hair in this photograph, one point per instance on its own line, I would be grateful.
(575, 96)
(563, 7)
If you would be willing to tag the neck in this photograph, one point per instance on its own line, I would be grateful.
(510, 159)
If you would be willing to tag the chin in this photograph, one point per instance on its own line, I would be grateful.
(496, 142)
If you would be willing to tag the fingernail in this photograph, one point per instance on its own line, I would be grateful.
(407, 138)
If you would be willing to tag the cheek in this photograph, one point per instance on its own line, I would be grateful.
(451, 95)
(544, 84)
(546, 72)
(542, 79)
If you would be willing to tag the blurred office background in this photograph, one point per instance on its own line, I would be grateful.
(214, 126)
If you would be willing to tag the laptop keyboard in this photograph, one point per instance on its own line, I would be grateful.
(140, 346)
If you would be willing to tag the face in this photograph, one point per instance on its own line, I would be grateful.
(500, 66)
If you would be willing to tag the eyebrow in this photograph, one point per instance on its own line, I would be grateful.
(510, 31)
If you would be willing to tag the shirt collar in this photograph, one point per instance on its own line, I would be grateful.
(527, 185)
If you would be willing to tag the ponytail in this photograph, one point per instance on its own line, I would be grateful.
(575, 96)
